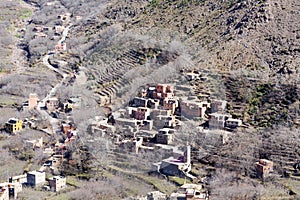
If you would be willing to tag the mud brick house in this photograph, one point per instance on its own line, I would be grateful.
(218, 106)
(165, 136)
(190, 192)
(140, 113)
(163, 91)
(171, 166)
(164, 121)
(263, 168)
(170, 104)
(57, 183)
(66, 127)
(217, 120)
(193, 109)
(52, 104)
(60, 47)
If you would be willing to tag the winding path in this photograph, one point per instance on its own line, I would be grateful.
(53, 121)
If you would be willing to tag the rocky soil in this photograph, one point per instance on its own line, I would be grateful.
(252, 42)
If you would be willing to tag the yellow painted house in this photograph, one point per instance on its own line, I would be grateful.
(13, 125)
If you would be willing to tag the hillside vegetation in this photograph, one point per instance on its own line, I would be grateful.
(248, 51)
(252, 45)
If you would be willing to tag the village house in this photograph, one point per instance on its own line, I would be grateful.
(59, 29)
(139, 113)
(19, 179)
(147, 135)
(159, 112)
(9, 190)
(192, 75)
(132, 145)
(233, 123)
(64, 17)
(71, 136)
(67, 126)
(57, 183)
(40, 35)
(170, 104)
(190, 192)
(165, 136)
(263, 168)
(4, 192)
(135, 124)
(139, 102)
(217, 120)
(146, 125)
(154, 103)
(163, 91)
(164, 121)
(216, 136)
(54, 162)
(123, 122)
(37, 29)
(218, 106)
(52, 104)
(194, 109)
(150, 92)
(72, 103)
(101, 126)
(13, 125)
(32, 102)
(180, 166)
(36, 178)
(60, 47)
(156, 195)
(107, 128)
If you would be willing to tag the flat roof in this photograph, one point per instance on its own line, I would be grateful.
(35, 172)
(234, 120)
(174, 161)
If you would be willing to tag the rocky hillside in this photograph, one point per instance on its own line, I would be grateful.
(251, 47)
(252, 44)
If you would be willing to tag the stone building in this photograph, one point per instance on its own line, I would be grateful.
(57, 183)
(36, 178)
(165, 136)
(263, 168)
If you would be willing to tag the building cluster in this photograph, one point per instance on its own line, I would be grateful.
(40, 31)
(151, 121)
(52, 103)
(55, 153)
(44, 31)
(179, 164)
(156, 113)
(14, 185)
(151, 115)
(188, 191)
